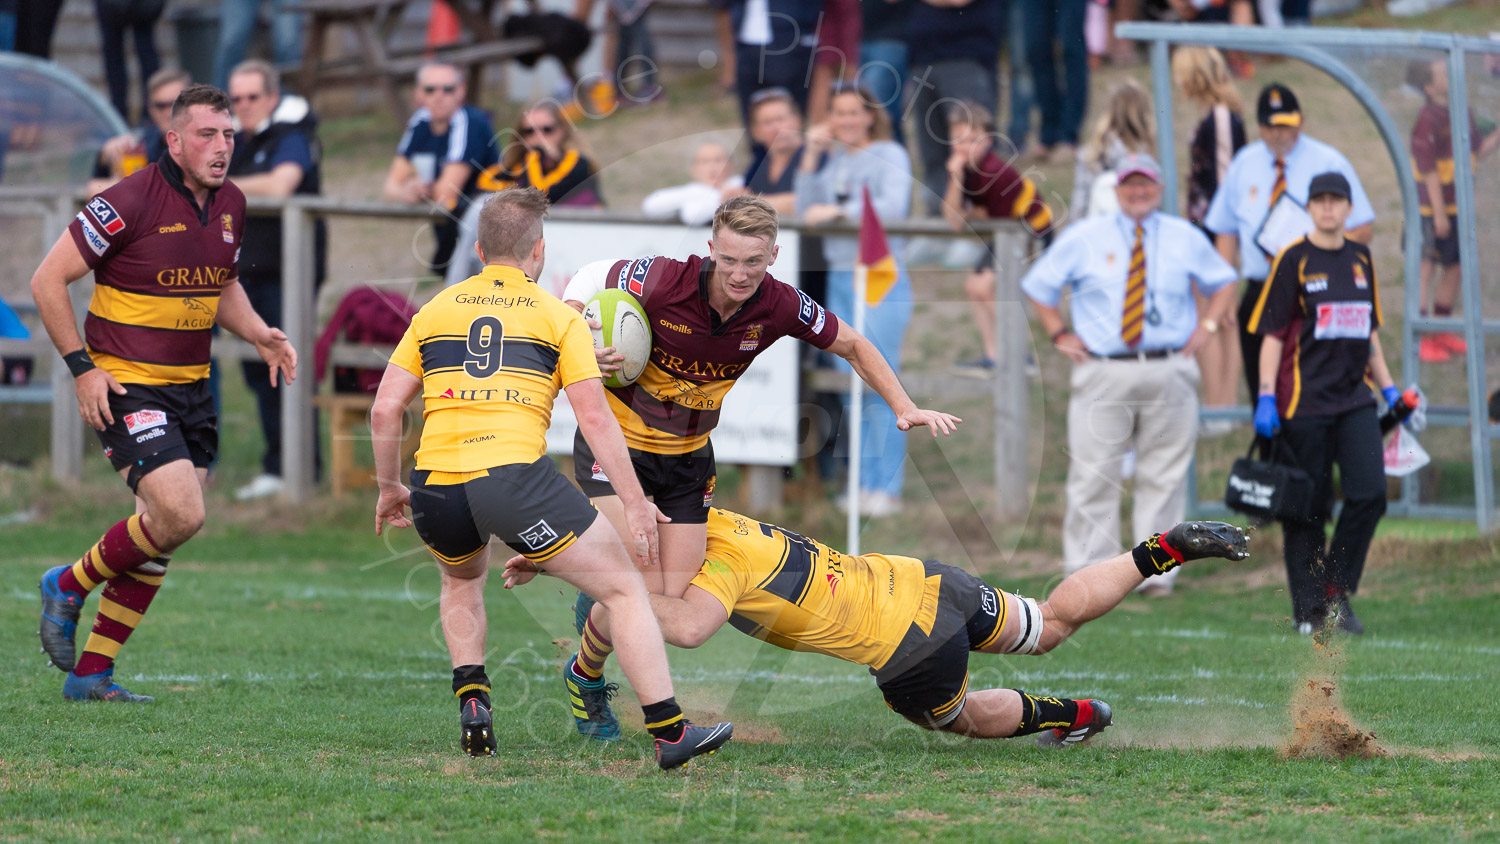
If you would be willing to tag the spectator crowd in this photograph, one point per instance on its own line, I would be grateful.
(896, 105)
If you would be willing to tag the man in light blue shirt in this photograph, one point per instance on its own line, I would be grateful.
(1283, 160)
(1130, 278)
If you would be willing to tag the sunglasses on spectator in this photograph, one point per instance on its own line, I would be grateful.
(548, 130)
(162, 105)
(244, 98)
(433, 89)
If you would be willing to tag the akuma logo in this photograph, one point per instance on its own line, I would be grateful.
(539, 535)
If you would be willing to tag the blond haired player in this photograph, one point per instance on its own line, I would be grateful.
(489, 356)
(710, 318)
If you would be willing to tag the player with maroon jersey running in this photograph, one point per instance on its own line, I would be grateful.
(709, 318)
(164, 246)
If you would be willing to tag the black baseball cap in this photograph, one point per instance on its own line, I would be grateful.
(1277, 106)
(1324, 184)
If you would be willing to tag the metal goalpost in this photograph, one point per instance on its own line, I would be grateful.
(1325, 49)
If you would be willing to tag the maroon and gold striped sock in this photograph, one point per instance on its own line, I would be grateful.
(125, 546)
(121, 605)
(592, 652)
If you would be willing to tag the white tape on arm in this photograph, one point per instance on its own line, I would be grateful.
(588, 282)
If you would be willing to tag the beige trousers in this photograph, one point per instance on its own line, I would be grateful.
(1150, 405)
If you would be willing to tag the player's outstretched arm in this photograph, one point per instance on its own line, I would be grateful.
(602, 432)
(49, 286)
(874, 371)
(397, 388)
(686, 622)
(238, 316)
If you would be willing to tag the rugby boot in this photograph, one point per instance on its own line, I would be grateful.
(100, 687)
(476, 728)
(581, 609)
(1093, 717)
(592, 714)
(1197, 540)
(1344, 618)
(59, 627)
(694, 741)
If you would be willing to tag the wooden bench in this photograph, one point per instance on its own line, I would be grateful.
(348, 423)
(374, 23)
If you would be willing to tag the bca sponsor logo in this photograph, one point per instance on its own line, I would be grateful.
(810, 312)
(636, 284)
(109, 219)
(91, 237)
(539, 535)
(1317, 284)
(598, 474)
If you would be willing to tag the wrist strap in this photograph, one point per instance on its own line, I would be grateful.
(78, 362)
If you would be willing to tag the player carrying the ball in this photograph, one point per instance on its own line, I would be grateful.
(913, 623)
(489, 356)
(709, 319)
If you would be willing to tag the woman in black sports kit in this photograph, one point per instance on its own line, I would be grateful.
(1319, 313)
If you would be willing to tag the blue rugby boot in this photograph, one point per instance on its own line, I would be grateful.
(59, 627)
(592, 714)
(100, 687)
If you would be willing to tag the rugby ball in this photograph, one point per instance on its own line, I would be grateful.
(624, 326)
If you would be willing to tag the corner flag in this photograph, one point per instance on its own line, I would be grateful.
(875, 255)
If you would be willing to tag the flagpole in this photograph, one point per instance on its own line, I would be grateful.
(856, 414)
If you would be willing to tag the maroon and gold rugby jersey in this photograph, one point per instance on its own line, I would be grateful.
(1323, 304)
(695, 356)
(1432, 149)
(159, 261)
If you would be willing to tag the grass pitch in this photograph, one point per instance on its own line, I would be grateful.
(303, 692)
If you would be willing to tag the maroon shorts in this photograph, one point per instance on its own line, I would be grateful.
(839, 30)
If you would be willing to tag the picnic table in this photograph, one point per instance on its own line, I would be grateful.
(374, 23)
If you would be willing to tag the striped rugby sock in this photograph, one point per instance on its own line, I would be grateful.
(125, 546)
(588, 664)
(122, 604)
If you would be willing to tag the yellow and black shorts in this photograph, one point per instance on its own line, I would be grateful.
(531, 507)
(926, 679)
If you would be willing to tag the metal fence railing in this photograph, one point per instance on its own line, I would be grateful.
(1009, 388)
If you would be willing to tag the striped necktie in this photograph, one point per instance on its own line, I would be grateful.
(1278, 187)
(1135, 294)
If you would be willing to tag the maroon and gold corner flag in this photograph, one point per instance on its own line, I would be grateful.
(875, 255)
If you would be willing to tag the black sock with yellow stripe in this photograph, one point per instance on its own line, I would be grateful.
(1045, 713)
(664, 719)
(1155, 556)
(470, 681)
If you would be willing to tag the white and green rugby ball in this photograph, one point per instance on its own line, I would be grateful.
(623, 324)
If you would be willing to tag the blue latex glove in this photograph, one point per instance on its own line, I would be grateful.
(1391, 394)
(1267, 420)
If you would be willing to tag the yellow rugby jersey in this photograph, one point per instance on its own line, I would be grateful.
(492, 353)
(799, 594)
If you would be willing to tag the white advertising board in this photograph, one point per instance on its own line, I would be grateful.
(758, 424)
